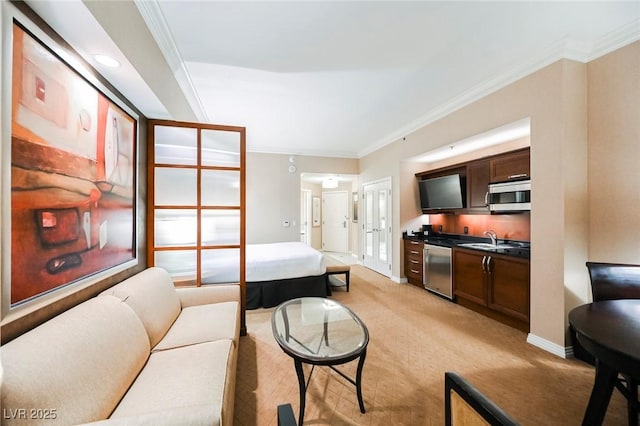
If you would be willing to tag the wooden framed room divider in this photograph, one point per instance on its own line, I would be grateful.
(196, 203)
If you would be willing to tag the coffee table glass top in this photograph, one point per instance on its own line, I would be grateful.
(318, 329)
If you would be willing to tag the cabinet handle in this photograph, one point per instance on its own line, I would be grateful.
(489, 265)
(415, 242)
(484, 270)
(414, 261)
(519, 175)
(415, 252)
(414, 271)
(486, 198)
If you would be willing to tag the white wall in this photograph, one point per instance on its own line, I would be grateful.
(273, 194)
(614, 155)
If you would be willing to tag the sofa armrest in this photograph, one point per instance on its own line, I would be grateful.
(216, 293)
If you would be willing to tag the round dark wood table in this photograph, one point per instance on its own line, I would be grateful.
(610, 331)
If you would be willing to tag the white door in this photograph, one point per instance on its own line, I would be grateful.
(377, 226)
(335, 221)
(305, 216)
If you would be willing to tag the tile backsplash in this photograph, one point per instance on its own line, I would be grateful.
(507, 226)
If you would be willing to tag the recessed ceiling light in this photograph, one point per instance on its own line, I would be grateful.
(107, 61)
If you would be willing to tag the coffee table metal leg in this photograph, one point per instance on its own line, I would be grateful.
(359, 379)
(303, 389)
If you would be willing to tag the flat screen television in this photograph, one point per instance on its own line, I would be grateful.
(445, 192)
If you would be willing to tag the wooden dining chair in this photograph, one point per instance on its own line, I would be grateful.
(609, 281)
(467, 406)
(612, 281)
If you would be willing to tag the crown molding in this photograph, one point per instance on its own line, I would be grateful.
(264, 149)
(152, 15)
(616, 39)
(564, 49)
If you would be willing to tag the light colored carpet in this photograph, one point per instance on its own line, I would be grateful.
(414, 338)
(332, 258)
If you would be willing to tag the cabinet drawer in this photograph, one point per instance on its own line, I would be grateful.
(413, 249)
(415, 264)
(414, 261)
(414, 276)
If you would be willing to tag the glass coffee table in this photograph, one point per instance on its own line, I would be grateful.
(319, 331)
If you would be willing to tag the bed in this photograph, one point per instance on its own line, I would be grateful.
(276, 272)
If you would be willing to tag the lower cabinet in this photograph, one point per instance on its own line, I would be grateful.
(414, 261)
(494, 285)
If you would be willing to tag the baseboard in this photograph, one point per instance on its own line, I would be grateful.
(558, 350)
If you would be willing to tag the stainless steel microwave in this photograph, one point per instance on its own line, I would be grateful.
(510, 196)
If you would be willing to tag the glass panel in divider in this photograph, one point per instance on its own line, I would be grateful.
(175, 187)
(220, 148)
(220, 266)
(220, 188)
(175, 145)
(175, 227)
(181, 264)
(220, 227)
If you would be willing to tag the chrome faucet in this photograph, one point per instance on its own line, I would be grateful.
(492, 234)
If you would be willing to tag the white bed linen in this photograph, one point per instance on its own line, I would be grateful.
(267, 262)
(276, 261)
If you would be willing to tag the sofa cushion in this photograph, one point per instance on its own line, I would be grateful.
(80, 363)
(152, 295)
(203, 323)
(193, 415)
(188, 376)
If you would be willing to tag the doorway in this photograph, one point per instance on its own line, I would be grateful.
(377, 226)
(335, 221)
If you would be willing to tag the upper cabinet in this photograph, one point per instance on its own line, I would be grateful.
(511, 166)
(476, 177)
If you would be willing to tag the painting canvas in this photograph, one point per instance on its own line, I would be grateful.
(72, 174)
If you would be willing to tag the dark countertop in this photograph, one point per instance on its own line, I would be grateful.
(521, 249)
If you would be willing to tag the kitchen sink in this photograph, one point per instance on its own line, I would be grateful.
(487, 246)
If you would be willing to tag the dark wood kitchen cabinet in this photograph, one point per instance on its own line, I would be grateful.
(513, 165)
(414, 261)
(469, 278)
(494, 285)
(478, 177)
(509, 289)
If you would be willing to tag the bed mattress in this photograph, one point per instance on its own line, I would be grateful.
(267, 262)
(275, 261)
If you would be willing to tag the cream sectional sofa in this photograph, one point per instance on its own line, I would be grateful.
(141, 352)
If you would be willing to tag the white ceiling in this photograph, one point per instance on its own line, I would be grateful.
(336, 78)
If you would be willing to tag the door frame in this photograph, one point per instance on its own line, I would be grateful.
(385, 270)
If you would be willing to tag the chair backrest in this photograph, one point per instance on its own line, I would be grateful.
(614, 281)
(466, 405)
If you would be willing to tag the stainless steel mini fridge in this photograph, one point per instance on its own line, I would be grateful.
(437, 270)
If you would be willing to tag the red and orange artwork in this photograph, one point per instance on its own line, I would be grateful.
(72, 174)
